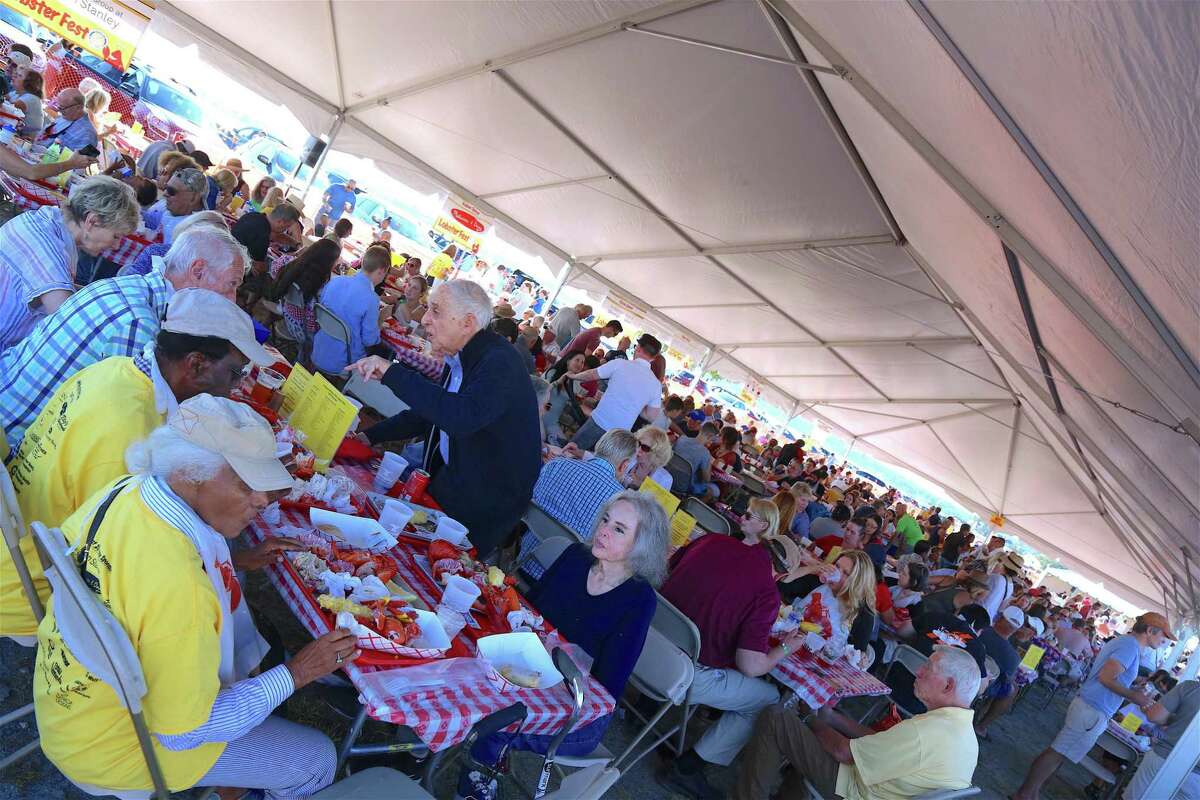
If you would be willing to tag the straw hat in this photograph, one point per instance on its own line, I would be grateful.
(234, 165)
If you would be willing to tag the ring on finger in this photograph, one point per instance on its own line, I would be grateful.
(339, 659)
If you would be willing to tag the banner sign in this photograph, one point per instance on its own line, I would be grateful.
(461, 223)
(108, 29)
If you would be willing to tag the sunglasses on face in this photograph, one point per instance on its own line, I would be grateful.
(171, 191)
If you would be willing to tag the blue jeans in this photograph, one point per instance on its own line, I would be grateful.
(486, 752)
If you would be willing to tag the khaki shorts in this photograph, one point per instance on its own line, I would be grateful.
(1080, 730)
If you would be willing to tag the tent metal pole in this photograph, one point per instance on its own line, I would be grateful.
(595, 32)
(784, 33)
(1146, 371)
(724, 48)
(748, 247)
(329, 138)
(537, 187)
(918, 423)
(675, 227)
(1060, 191)
(845, 262)
(948, 362)
(564, 275)
(1008, 463)
(337, 56)
(927, 340)
(899, 401)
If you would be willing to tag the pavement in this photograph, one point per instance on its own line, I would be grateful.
(1013, 743)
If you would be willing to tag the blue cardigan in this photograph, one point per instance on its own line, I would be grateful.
(495, 436)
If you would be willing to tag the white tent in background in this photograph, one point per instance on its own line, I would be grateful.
(962, 234)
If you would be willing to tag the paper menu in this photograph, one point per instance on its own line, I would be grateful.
(1032, 656)
(682, 525)
(668, 501)
(293, 389)
(324, 415)
(1131, 723)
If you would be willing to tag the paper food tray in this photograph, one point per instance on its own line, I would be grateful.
(521, 650)
(432, 643)
(358, 532)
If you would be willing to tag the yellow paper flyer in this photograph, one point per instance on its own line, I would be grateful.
(682, 524)
(1032, 656)
(668, 501)
(293, 389)
(1131, 723)
(324, 415)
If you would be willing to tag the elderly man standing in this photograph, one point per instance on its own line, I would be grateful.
(39, 250)
(67, 455)
(566, 324)
(73, 129)
(932, 751)
(117, 317)
(633, 391)
(153, 548)
(480, 425)
(1104, 691)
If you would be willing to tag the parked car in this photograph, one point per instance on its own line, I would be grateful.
(370, 209)
(234, 138)
(726, 397)
(69, 71)
(167, 109)
(683, 377)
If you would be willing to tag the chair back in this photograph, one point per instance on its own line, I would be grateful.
(548, 552)
(97, 640)
(13, 526)
(681, 474)
(546, 527)
(332, 326)
(668, 660)
(592, 783)
(752, 484)
(706, 516)
(909, 658)
(294, 296)
(1117, 748)
(949, 794)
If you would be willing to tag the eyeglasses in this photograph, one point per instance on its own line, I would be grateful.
(170, 191)
(645, 448)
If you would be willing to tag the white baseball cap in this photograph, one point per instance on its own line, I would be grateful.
(238, 434)
(1014, 615)
(199, 312)
(1036, 624)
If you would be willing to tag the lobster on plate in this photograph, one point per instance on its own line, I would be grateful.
(365, 563)
(391, 621)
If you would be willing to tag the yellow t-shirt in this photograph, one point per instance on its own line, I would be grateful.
(441, 265)
(931, 751)
(152, 580)
(76, 445)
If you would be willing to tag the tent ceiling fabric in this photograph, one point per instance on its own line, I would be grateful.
(920, 351)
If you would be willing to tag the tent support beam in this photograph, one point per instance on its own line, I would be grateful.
(959, 463)
(926, 340)
(671, 224)
(936, 357)
(337, 57)
(845, 262)
(724, 48)
(784, 33)
(1147, 371)
(537, 187)
(919, 422)
(900, 401)
(525, 54)
(750, 247)
(1008, 462)
(1060, 191)
(712, 305)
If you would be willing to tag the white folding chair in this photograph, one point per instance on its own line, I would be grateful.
(13, 527)
(706, 516)
(1119, 750)
(664, 674)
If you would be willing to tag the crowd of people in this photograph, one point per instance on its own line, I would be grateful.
(533, 405)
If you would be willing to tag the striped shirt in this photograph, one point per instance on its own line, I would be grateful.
(238, 708)
(116, 317)
(37, 256)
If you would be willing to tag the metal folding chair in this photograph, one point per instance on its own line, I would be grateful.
(13, 527)
(332, 326)
(911, 660)
(664, 674)
(1119, 750)
(706, 516)
(681, 475)
(753, 485)
(544, 554)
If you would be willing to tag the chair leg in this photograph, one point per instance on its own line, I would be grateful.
(19, 754)
(347, 744)
(649, 728)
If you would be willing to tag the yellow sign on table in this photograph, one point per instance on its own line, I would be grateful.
(324, 416)
(1131, 723)
(668, 501)
(293, 389)
(682, 525)
(1033, 656)
(834, 552)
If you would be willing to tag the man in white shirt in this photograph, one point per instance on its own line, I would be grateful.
(633, 391)
(1000, 582)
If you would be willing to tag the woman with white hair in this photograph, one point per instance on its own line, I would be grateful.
(600, 596)
(654, 451)
(479, 422)
(39, 250)
(152, 546)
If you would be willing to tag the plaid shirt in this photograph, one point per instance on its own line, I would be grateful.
(115, 317)
(571, 491)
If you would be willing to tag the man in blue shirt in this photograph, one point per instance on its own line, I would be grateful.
(72, 129)
(339, 200)
(352, 299)
(995, 641)
(1107, 687)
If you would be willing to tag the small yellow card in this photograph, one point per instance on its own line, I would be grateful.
(682, 525)
(324, 416)
(668, 501)
(1131, 723)
(1033, 657)
(834, 552)
(293, 389)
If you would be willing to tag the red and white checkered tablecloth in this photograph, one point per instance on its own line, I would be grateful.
(128, 249)
(441, 715)
(428, 366)
(819, 684)
(28, 194)
(1138, 743)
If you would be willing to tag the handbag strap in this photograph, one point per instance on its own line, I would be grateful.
(91, 580)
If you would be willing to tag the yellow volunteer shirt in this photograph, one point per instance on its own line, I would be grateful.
(152, 580)
(75, 446)
(440, 266)
(931, 751)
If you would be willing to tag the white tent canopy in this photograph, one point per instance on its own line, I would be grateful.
(959, 233)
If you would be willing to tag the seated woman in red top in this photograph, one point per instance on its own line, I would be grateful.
(725, 452)
(601, 597)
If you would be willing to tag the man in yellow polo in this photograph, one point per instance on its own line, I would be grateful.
(77, 443)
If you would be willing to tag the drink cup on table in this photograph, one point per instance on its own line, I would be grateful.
(265, 387)
(395, 515)
(390, 470)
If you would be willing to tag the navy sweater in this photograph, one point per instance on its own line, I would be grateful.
(495, 436)
(611, 627)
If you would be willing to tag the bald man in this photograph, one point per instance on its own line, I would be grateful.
(72, 129)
